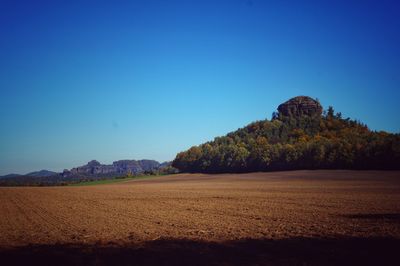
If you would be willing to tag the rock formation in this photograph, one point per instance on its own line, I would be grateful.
(300, 105)
(117, 168)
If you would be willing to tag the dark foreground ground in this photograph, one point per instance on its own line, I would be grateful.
(291, 251)
(281, 218)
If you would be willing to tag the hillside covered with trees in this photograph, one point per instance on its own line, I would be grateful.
(299, 136)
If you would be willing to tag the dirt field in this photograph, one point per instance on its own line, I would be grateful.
(298, 217)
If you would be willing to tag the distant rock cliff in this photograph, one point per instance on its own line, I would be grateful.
(117, 168)
(93, 170)
(300, 105)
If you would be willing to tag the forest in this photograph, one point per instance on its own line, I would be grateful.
(323, 140)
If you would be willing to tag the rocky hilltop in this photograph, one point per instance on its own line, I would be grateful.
(300, 136)
(300, 105)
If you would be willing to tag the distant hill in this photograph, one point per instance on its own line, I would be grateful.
(43, 173)
(93, 170)
(299, 136)
(9, 175)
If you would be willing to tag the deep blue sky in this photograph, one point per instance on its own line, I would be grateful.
(111, 80)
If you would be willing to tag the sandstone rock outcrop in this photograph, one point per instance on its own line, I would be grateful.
(300, 105)
(122, 167)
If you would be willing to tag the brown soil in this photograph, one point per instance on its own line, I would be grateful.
(312, 217)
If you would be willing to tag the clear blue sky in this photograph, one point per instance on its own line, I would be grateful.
(111, 80)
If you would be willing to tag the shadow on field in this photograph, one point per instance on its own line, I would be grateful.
(395, 217)
(294, 251)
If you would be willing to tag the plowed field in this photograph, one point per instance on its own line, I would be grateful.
(195, 214)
